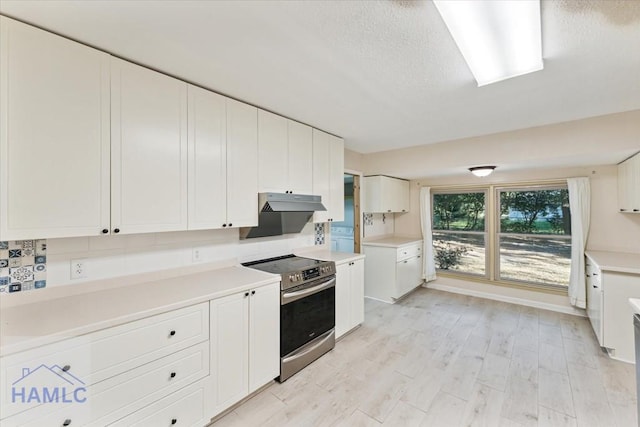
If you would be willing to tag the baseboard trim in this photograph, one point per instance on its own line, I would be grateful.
(496, 297)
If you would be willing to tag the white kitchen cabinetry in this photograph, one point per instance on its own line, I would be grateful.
(123, 369)
(386, 194)
(242, 164)
(245, 343)
(392, 269)
(629, 185)
(285, 155)
(349, 296)
(328, 173)
(148, 150)
(54, 144)
(209, 204)
(608, 293)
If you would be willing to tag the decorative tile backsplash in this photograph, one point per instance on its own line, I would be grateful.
(319, 232)
(368, 218)
(23, 265)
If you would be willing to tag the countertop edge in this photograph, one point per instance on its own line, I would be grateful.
(602, 259)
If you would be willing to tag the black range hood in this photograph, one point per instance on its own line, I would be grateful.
(282, 213)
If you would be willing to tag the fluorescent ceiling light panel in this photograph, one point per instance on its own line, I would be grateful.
(499, 39)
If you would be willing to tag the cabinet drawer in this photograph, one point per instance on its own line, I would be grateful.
(186, 407)
(406, 252)
(116, 397)
(97, 356)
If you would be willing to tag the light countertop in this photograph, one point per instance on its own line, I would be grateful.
(42, 322)
(392, 241)
(620, 262)
(327, 255)
(635, 305)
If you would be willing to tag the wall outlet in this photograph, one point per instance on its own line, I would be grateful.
(197, 255)
(78, 270)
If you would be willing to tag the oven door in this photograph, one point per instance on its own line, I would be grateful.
(306, 313)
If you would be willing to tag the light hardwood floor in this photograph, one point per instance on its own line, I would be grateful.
(442, 359)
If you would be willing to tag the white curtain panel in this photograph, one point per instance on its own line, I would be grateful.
(580, 205)
(428, 261)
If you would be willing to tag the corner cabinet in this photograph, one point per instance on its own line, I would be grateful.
(54, 143)
(385, 194)
(328, 173)
(349, 296)
(245, 343)
(285, 155)
(392, 270)
(629, 185)
(222, 135)
(148, 150)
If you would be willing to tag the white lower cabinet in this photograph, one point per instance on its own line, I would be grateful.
(99, 378)
(245, 343)
(349, 296)
(391, 271)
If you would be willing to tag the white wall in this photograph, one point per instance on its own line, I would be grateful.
(116, 256)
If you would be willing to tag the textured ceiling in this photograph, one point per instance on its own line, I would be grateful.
(382, 74)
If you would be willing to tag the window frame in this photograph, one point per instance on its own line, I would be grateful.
(487, 262)
(492, 231)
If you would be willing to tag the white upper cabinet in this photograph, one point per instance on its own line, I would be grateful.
(629, 185)
(328, 173)
(285, 155)
(242, 164)
(54, 143)
(207, 159)
(385, 194)
(148, 150)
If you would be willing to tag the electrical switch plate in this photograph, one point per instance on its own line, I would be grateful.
(78, 269)
(197, 255)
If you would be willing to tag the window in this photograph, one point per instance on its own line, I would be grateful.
(505, 233)
(459, 232)
(534, 235)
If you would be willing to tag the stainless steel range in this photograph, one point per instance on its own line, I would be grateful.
(307, 309)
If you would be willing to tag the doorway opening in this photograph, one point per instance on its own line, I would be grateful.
(345, 235)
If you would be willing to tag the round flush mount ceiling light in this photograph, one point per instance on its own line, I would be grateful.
(482, 170)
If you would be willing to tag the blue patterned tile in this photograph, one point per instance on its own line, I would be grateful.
(15, 253)
(4, 245)
(27, 286)
(40, 284)
(41, 259)
(4, 263)
(21, 274)
(4, 281)
(15, 287)
(40, 268)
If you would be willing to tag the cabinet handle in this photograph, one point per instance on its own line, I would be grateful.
(173, 421)
(388, 210)
(406, 261)
(172, 333)
(595, 287)
(588, 275)
(595, 274)
(65, 368)
(224, 225)
(636, 210)
(66, 422)
(622, 210)
(116, 230)
(105, 230)
(418, 256)
(173, 375)
(230, 224)
(246, 294)
(253, 292)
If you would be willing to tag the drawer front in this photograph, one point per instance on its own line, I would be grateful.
(95, 357)
(406, 252)
(117, 397)
(186, 407)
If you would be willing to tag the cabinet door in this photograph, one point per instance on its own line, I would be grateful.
(623, 187)
(300, 158)
(336, 179)
(242, 164)
(407, 276)
(207, 159)
(634, 184)
(343, 299)
(272, 153)
(229, 348)
(264, 336)
(148, 151)
(356, 290)
(54, 144)
(321, 177)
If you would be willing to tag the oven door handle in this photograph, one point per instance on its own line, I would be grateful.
(288, 297)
